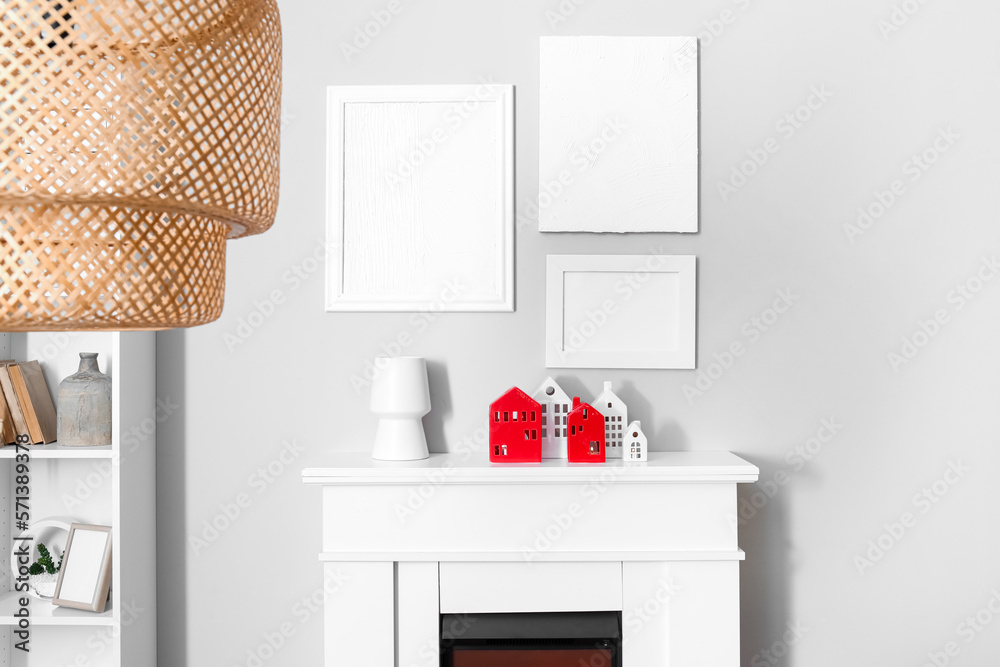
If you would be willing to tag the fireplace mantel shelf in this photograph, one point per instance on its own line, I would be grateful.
(467, 468)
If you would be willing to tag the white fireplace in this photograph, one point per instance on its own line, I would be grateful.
(406, 543)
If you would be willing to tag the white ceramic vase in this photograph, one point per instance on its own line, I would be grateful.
(400, 398)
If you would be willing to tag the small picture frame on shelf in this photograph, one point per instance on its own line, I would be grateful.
(85, 577)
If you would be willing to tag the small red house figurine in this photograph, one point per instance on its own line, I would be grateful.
(586, 434)
(515, 428)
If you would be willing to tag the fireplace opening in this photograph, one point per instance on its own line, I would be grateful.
(572, 639)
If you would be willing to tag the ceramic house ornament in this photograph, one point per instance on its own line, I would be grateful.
(555, 405)
(515, 428)
(615, 419)
(636, 448)
(586, 434)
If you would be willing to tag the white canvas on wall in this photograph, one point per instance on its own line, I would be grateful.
(420, 198)
(618, 134)
(620, 311)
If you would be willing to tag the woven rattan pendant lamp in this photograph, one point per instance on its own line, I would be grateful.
(137, 136)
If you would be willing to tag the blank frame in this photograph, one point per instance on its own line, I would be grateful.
(621, 311)
(85, 576)
(420, 198)
(618, 134)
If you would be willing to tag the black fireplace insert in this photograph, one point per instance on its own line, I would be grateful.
(577, 639)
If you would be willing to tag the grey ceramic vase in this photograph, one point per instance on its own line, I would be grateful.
(84, 410)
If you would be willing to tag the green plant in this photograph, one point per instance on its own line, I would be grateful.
(45, 562)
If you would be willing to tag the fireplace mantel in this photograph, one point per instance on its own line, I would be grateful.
(469, 468)
(405, 542)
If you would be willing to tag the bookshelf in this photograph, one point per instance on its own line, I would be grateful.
(112, 485)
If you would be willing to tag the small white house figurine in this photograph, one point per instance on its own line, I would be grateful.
(636, 445)
(556, 405)
(615, 418)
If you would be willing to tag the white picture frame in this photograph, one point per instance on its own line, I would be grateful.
(420, 198)
(85, 576)
(618, 134)
(621, 311)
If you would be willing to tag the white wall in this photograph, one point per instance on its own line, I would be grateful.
(825, 359)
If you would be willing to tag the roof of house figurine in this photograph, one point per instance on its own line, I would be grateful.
(549, 391)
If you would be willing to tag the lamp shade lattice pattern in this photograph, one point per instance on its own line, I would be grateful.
(137, 137)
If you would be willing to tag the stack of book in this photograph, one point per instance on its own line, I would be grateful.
(26, 406)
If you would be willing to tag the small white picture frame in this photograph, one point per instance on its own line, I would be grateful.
(420, 198)
(621, 311)
(85, 576)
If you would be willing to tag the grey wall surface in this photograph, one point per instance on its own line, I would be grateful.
(900, 83)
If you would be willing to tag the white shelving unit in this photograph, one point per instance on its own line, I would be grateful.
(112, 485)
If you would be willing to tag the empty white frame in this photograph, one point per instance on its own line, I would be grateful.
(620, 311)
(85, 575)
(618, 134)
(420, 198)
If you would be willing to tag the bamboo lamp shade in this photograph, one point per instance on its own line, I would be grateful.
(137, 136)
